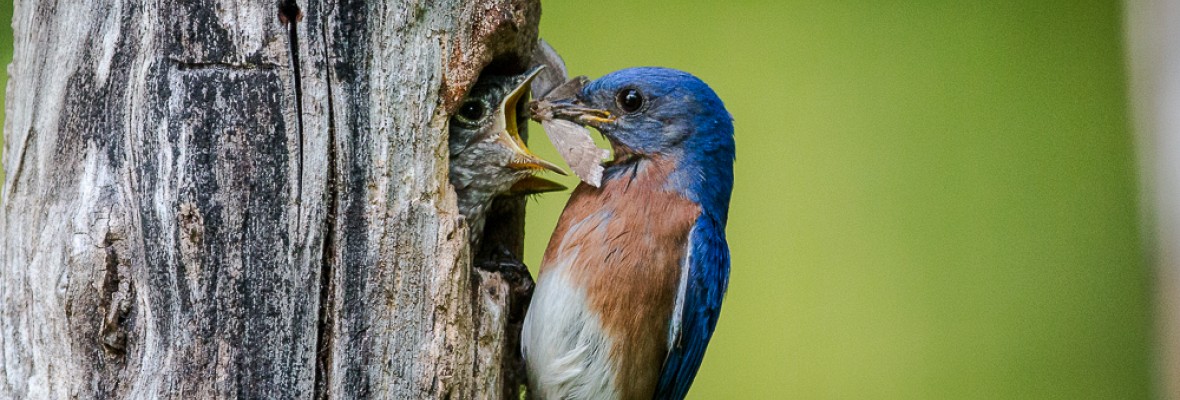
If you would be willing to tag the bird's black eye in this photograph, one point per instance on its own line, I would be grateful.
(629, 100)
(472, 112)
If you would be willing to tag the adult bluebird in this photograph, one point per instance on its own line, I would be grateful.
(630, 286)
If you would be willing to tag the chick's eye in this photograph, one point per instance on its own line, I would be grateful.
(472, 111)
(629, 100)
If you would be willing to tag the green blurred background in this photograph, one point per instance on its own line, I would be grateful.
(934, 199)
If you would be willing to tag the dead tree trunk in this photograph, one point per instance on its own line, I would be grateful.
(200, 202)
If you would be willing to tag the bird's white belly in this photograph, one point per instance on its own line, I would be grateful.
(567, 355)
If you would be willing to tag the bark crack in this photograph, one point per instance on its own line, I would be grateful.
(291, 15)
(325, 332)
(116, 299)
(20, 164)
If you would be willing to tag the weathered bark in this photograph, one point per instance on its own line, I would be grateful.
(195, 208)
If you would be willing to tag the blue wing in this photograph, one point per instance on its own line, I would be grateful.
(708, 276)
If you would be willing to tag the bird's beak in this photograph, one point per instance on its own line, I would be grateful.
(568, 107)
(535, 185)
(510, 132)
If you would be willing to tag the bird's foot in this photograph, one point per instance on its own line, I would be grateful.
(502, 261)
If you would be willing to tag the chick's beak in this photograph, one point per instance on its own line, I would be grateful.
(535, 185)
(509, 134)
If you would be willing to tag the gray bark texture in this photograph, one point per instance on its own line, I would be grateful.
(200, 202)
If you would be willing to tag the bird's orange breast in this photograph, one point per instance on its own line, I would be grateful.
(630, 237)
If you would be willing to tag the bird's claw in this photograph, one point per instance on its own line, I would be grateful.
(502, 266)
(503, 262)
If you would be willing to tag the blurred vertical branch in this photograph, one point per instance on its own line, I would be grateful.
(186, 216)
(1154, 64)
(5, 59)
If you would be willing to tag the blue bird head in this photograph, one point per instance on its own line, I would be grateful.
(651, 112)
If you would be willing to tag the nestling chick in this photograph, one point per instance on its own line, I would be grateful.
(488, 156)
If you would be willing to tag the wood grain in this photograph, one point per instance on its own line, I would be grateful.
(184, 216)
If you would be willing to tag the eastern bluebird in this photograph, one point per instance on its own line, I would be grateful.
(630, 286)
(488, 156)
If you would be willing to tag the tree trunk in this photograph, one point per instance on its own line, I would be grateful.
(200, 202)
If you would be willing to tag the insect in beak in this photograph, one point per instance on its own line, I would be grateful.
(562, 103)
